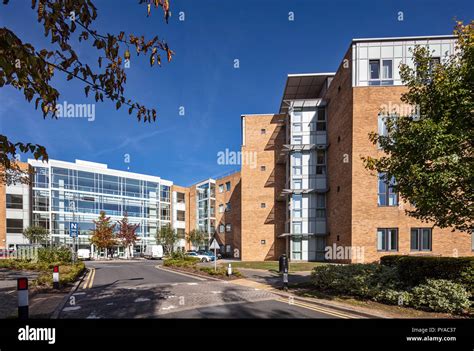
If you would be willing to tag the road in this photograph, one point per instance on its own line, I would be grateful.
(141, 289)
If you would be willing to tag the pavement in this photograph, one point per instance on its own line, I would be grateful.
(41, 305)
(144, 289)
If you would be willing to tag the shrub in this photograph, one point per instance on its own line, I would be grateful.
(67, 274)
(414, 270)
(363, 280)
(54, 255)
(186, 262)
(221, 271)
(394, 297)
(441, 295)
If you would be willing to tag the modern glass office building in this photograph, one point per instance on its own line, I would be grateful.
(63, 192)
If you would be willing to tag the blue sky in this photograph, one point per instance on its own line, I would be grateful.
(202, 77)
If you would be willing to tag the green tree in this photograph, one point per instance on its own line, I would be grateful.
(196, 237)
(103, 235)
(66, 24)
(430, 154)
(167, 237)
(36, 234)
(127, 234)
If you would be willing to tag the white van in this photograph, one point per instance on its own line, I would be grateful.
(84, 254)
(154, 252)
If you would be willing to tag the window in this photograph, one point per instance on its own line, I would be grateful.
(228, 227)
(297, 227)
(165, 212)
(296, 248)
(321, 162)
(221, 228)
(221, 188)
(434, 62)
(297, 127)
(297, 206)
(227, 207)
(263, 205)
(221, 208)
(374, 69)
(180, 215)
(386, 194)
(297, 139)
(297, 184)
(180, 233)
(387, 239)
(320, 206)
(387, 69)
(421, 239)
(297, 163)
(14, 225)
(227, 249)
(165, 192)
(227, 186)
(263, 168)
(263, 131)
(15, 201)
(321, 120)
(180, 198)
(381, 77)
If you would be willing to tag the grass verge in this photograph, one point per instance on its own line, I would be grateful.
(272, 266)
(68, 272)
(191, 266)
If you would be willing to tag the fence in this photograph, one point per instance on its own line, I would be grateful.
(29, 253)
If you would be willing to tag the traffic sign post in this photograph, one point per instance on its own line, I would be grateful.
(73, 232)
(215, 246)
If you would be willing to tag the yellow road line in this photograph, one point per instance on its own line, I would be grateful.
(317, 308)
(91, 280)
(86, 281)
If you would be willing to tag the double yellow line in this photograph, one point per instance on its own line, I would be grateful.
(317, 308)
(89, 279)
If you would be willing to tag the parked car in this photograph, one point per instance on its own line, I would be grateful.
(84, 254)
(154, 252)
(210, 253)
(202, 258)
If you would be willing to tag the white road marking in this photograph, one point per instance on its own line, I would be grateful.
(92, 316)
(168, 308)
(71, 308)
(142, 299)
(216, 292)
(192, 283)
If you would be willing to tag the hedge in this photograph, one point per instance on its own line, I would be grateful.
(415, 270)
(381, 283)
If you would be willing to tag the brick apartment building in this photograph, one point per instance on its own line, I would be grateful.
(307, 194)
(313, 181)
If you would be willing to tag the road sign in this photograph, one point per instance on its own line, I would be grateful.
(73, 229)
(214, 245)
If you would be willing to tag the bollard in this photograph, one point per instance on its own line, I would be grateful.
(229, 270)
(22, 287)
(285, 279)
(56, 277)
